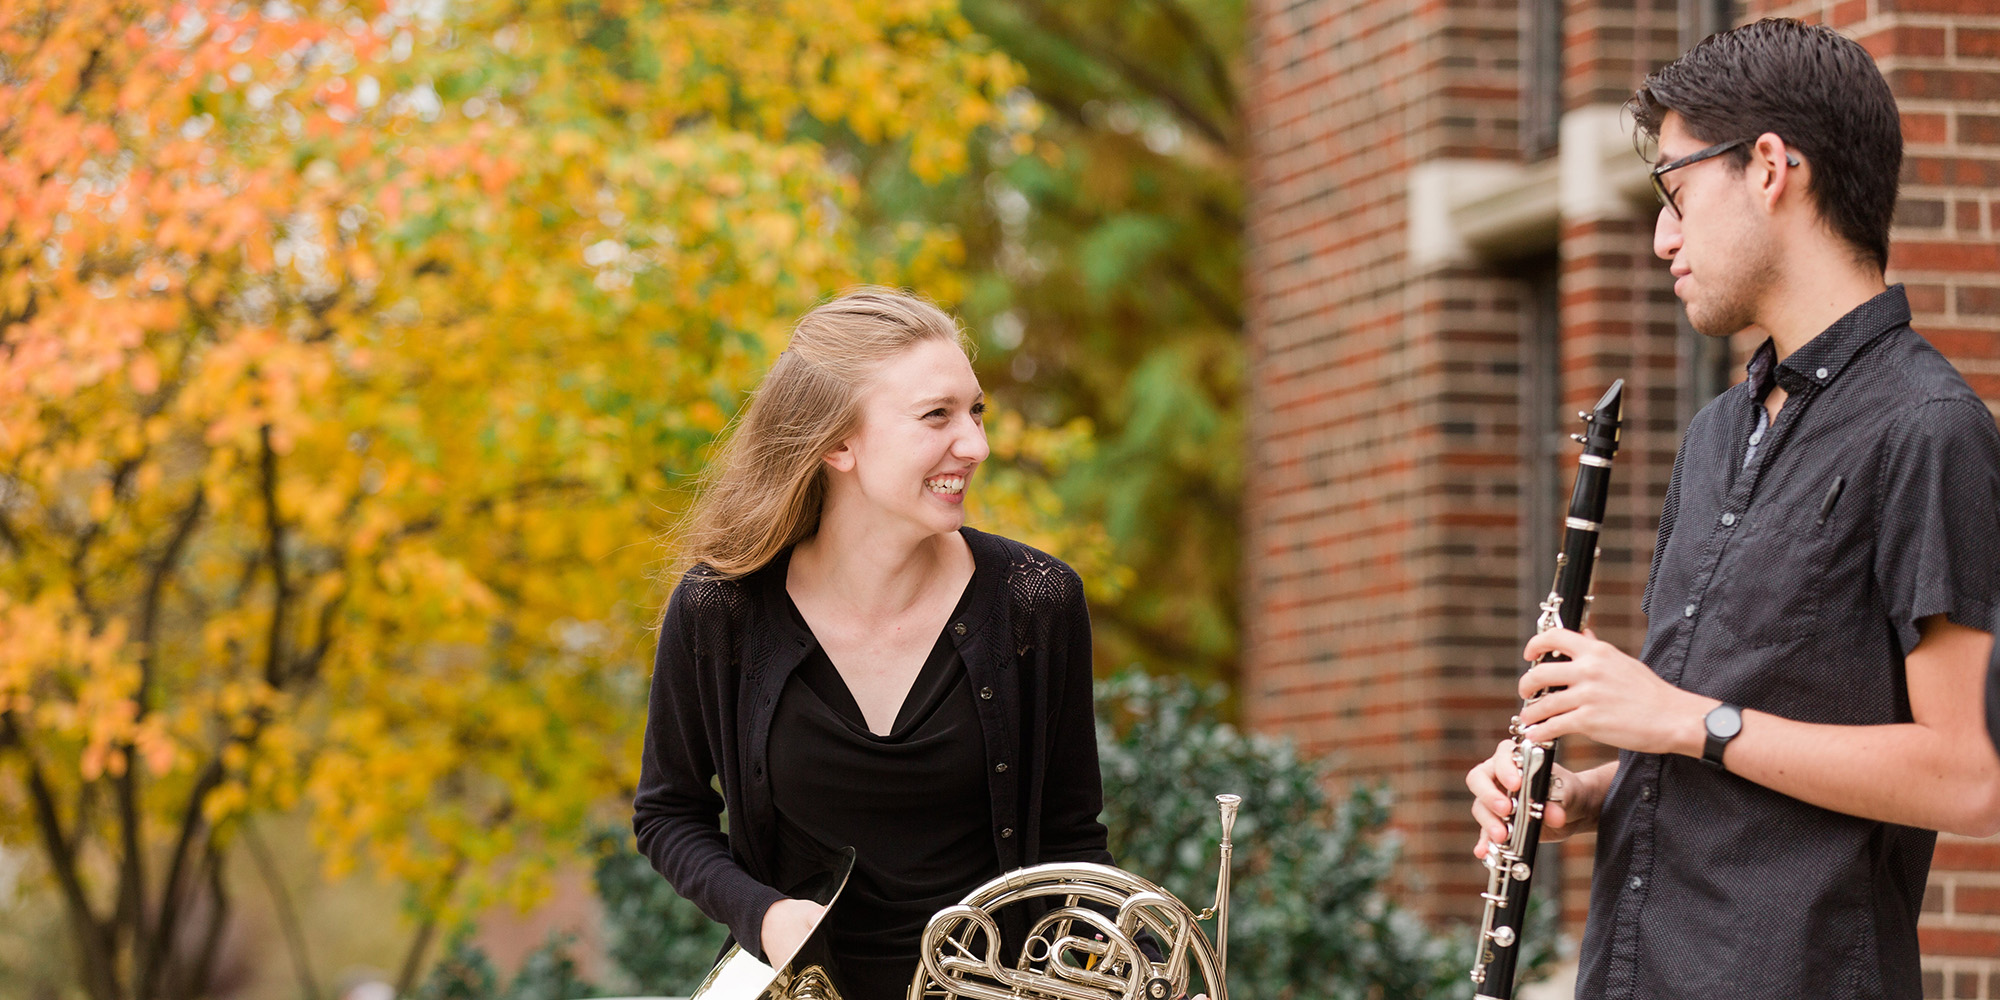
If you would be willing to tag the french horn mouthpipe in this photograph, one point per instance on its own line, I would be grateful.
(1227, 805)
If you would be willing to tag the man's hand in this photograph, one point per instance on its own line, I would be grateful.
(787, 924)
(1574, 799)
(1610, 697)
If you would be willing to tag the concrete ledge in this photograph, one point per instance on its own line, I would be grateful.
(1482, 211)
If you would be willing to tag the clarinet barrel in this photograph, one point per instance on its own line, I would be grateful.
(1510, 865)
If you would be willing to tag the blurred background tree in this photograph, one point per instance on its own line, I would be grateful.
(351, 359)
(1102, 257)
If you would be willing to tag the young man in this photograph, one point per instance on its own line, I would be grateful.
(1807, 707)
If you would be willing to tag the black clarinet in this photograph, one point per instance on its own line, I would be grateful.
(1510, 866)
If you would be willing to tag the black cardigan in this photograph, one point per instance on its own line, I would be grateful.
(726, 648)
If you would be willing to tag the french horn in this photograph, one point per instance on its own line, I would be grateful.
(1087, 946)
(1089, 943)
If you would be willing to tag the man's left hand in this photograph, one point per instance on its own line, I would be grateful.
(1609, 697)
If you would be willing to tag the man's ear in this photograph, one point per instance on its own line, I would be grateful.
(1776, 168)
(840, 459)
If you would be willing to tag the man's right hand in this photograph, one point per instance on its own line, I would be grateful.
(1574, 799)
(787, 924)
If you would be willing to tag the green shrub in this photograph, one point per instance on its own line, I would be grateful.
(1308, 914)
(659, 939)
(464, 973)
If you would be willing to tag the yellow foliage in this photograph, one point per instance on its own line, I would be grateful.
(342, 398)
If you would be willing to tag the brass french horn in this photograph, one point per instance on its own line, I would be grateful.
(1087, 946)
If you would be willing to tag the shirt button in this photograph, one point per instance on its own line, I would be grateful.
(985, 694)
(958, 628)
(1821, 373)
(1637, 882)
(1756, 436)
(1645, 793)
(1688, 612)
(1729, 520)
(1006, 832)
(1000, 768)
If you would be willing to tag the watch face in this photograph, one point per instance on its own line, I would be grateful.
(1724, 722)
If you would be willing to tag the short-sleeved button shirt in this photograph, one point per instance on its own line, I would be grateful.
(1793, 583)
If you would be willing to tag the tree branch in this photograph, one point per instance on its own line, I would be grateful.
(97, 954)
(132, 877)
(1139, 76)
(274, 546)
(1212, 63)
(199, 977)
(81, 553)
(288, 915)
(413, 960)
(158, 944)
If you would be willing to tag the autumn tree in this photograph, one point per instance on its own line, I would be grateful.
(353, 357)
(1103, 260)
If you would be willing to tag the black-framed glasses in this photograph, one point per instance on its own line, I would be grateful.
(1659, 173)
(1660, 186)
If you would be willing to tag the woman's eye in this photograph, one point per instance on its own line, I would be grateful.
(979, 409)
(939, 412)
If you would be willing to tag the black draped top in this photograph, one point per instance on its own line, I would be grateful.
(728, 648)
(913, 804)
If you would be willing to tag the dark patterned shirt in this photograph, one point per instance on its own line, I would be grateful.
(1793, 584)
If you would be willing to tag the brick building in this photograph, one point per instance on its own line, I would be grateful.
(1450, 253)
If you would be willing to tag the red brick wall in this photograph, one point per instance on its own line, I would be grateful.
(1618, 321)
(1381, 424)
(1384, 519)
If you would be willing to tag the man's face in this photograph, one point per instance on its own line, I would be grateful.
(1721, 245)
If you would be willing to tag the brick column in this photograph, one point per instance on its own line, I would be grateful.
(1380, 517)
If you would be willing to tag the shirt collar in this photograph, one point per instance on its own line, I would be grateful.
(1823, 358)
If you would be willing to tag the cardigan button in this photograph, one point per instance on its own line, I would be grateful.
(985, 694)
(958, 628)
(1006, 832)
(1000, 768)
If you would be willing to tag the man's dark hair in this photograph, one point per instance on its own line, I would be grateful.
(1818, 90)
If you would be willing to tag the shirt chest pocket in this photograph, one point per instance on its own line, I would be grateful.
(1771, 576)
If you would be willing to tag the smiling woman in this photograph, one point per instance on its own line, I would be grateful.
(859, 669)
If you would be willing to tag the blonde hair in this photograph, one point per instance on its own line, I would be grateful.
(766, 486)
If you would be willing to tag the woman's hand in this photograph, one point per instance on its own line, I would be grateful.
(787, 924)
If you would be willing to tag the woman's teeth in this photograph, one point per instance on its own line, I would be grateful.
(947, 485)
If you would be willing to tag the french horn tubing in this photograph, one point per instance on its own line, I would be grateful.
(1087, 946)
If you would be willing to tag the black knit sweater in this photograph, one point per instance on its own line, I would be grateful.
(726, 648)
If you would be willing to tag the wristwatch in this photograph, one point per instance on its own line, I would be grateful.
(1723, 722)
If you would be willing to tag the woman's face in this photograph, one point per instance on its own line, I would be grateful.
(921, 436)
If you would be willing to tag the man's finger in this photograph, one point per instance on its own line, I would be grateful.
(1560, 640)
(1551, 705)
(1542, 676)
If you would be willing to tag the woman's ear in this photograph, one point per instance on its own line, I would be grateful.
(840, 459)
